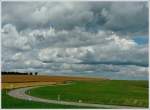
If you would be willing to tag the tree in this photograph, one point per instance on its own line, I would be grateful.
(36, 73)
(30, 73)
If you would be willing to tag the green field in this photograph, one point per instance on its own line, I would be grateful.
(113, 92)
(10, 102)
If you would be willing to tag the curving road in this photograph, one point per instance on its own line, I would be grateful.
(20, 94)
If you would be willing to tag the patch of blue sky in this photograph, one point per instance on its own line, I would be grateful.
(141, 40)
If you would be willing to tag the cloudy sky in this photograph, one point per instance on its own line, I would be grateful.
(95, 39)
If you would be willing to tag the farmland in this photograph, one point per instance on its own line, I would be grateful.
(87, 90)
(26, 84)
(113, 92)
(17, 81)
(42, 78)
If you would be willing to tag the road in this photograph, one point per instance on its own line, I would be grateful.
(21, 94)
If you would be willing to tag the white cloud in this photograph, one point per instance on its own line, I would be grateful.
(18, 56)
(12, 39)
(33, 63)
(75, 45)
(68, 55)
(75, 38)
(122, 42)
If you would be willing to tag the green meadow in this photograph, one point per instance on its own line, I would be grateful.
(109, 92)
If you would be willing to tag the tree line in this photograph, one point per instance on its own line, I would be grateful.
(18, 73)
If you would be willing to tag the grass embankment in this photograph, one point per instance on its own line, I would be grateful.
(113, 92)
(10, 102)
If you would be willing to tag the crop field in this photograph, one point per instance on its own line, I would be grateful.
(26, 84)
(113, 92)
(86, 90)
(17, 81)
(42, 78)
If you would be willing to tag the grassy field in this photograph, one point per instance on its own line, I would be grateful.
(114, 92)
(10, 102)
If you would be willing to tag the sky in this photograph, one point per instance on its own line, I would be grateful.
(93, 39)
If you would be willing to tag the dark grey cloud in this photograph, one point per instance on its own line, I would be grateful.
(127, 17)
(75, 38)
(123, 17)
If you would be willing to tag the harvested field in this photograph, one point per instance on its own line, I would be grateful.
(27, 84)
(40, 78)
(17, 81)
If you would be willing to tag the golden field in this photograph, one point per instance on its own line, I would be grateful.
(27, 84)
(17, 81)
(41, 78)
